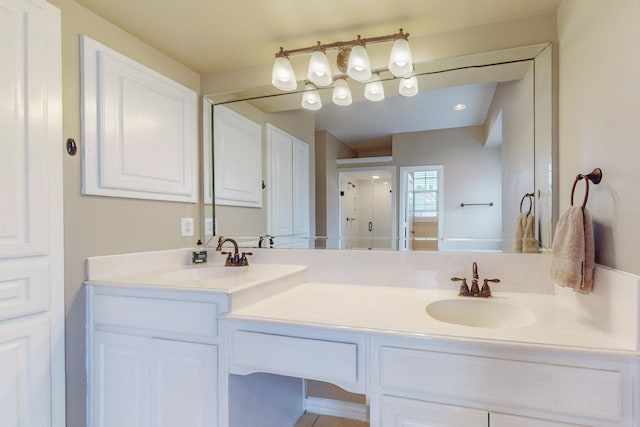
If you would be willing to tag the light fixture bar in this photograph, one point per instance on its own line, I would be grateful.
(341, 44)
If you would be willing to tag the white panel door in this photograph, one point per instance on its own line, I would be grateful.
(183, 384)
(399, 412)
(31, 227)
(280, 186)
(139, 129)
(300, 187)
(23, 374)
(237, 157)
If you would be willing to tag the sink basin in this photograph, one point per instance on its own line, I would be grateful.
(202, 273)
(482, 313)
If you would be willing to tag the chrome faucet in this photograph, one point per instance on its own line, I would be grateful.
(475, 290)
(233, 259)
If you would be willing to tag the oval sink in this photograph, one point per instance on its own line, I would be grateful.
(202, 273)
(482, 313)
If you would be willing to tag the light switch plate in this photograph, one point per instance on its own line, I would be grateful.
(186, 227)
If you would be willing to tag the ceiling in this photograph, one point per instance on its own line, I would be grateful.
(428, 110)
(212, 36)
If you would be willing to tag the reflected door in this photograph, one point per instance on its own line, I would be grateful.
(366, 212)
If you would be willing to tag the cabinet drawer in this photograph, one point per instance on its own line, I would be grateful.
(330, 361)
(157, 316)
(561, 389)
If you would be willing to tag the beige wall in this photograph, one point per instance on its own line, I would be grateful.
(328, 149)
(104, 225)
(599, 93)
(515, 100)
(472, 174)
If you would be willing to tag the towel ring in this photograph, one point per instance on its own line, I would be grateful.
(595, 176)
(530, 197)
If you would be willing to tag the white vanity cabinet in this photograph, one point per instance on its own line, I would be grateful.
(451, 384)
(153, 357)
(287, 185)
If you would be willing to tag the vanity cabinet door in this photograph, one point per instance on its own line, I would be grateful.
(120, 376)
(400, 412)
(149, 382)
(182, 384)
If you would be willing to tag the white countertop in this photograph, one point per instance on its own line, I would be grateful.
(238, 286)
(402, 311)
(205, 277)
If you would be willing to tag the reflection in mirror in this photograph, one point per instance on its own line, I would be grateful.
(452, 162)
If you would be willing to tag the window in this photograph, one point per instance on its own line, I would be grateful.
(425, 194)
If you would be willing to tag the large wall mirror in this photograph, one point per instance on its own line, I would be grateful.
(450, 168)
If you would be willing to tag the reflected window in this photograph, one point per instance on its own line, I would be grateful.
(425, 194)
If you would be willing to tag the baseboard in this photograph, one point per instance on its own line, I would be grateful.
(336, 408)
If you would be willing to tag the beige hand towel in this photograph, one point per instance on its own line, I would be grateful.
(518, 233)
(573, 250)
(529, 242)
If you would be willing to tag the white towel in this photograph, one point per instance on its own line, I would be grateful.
(573, 250)
(524, 239)
(529, 242)
(518, 234)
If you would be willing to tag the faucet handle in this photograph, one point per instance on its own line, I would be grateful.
(486, 290)
(243, 258)
(464, 288)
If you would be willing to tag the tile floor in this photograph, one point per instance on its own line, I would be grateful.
(313, 420)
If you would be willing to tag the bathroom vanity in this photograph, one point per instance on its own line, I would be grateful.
(226, 346)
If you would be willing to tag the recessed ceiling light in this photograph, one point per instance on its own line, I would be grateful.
(459, 107)
(375, 177)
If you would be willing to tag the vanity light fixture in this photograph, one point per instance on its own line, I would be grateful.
(282, 75)
(352, 61)
(341, 93)
(374, 90)
(408, 86)
(319, 69)
(459, 107)
(311, 98)
(359, 67)
(400, 61)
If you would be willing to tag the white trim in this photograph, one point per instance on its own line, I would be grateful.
(336, 408)
(364, 160)
(207, 145)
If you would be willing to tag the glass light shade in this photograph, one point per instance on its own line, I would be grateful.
(282, 75)
(311, 98)
(341, 93)
(408, 87)
(400, 62)
(319, 69)
(359, 67)
(374, 91)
